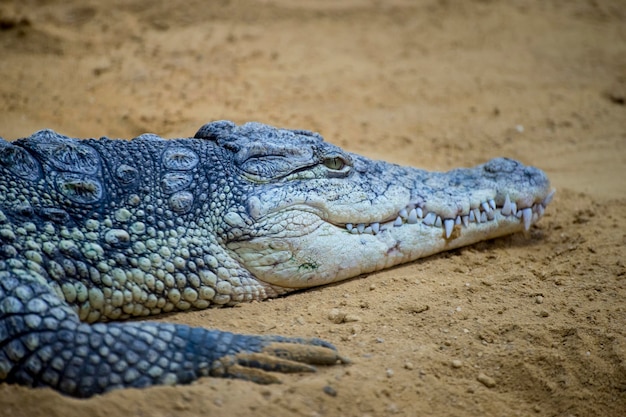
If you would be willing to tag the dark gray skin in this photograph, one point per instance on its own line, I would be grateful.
(93, 231)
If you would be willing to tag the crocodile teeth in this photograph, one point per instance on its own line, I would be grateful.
(430, 218)
(540, 209)
(527, 216)
(476, 212)
(448, 225)
(485, 212)
(506, 208)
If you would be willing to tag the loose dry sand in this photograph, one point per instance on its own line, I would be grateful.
(531, 324)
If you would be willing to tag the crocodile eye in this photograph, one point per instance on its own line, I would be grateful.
(335, 163)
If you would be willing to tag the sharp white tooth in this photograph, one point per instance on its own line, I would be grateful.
(412, 217)
(506, 208)
(398, 221)
(375, 227)
(549, 198)
(476, 214)
(486, 207)
(403, 214)
(430, 218)
(483, 217)
(448, 224)
(492, 204)
(540, 209)
(513, 208)
(420, 213)
(457, 220)
(368, 230)
(518, 214)
(354, 231)
(491, 215)
(349, 227)
(360, 227)
(465, 220)
(438, 222)
(472, 216)
(527, 216)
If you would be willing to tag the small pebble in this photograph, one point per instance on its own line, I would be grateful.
(351, 318)
(336, 316)
(487, 381)
(417, 308)
(456, 363)
(409, 366)
(330, 391)
(389, 372)
(539, 299)
(372, 287)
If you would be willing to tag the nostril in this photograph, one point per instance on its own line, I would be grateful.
(498, 165)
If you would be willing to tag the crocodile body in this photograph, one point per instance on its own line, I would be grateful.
(95, 231)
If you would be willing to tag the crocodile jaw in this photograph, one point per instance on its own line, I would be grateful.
(316, 243)
(330, 254)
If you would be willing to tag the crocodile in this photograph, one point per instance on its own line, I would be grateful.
(96, 231)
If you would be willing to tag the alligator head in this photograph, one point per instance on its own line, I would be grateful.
(309, 213)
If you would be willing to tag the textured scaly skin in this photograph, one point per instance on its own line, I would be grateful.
(93, 231)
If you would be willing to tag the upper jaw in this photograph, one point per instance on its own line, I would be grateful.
(486, 211)
(499, 189)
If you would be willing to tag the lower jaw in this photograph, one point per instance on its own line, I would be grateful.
(331, 254)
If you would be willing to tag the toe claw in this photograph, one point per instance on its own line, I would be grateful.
(309, 354)
(276, 354)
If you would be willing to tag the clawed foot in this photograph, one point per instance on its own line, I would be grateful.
(277, 354)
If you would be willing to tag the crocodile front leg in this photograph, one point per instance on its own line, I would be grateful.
(45, 344)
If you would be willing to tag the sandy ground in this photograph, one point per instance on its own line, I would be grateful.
(434, 84)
